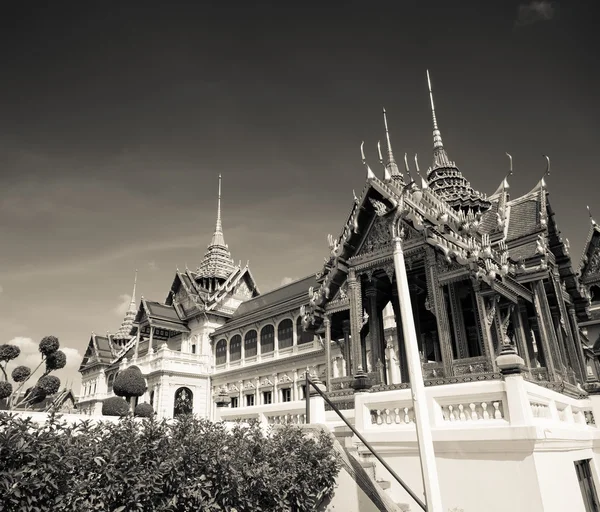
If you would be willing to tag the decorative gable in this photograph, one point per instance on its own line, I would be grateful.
(592, 267)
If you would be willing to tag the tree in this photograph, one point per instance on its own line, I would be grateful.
(52, 357)
(129, 383)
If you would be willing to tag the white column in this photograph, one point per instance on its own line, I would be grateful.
(151, 341)
(423, 425)
(327, 322)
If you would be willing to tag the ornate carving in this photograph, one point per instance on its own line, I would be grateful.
(378, 236)
(380, 208)
(491, 311)
(541, 244)
(594, 263)
(390, 271)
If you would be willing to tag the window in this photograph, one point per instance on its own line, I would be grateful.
(111, 380)
(152, 398)
(235, 348)
(302, 335)
(193, 348)
(221, 352)
(286, 395)
(250, 343)
(285, 334)
(303, 392)
(234, 401)
(267, 339)
(250, 399)
(267, 397)
(586, 483)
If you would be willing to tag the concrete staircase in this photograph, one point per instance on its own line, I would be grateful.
(363, 471)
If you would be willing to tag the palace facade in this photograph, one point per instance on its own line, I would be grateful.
(484, 272)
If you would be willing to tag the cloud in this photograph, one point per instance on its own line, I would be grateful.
(124, 301)
(152, 266)
(287, 280)
(535, 11)
(1, 289)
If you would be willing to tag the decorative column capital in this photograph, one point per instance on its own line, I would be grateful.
(327, 320)
(351, 274)
(371, 290)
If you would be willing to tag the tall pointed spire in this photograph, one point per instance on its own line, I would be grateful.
(217, 260)
(391, 164)
(127, 324)
(440, 157)
(218, 238)
(445, 178)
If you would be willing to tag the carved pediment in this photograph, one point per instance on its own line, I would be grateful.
(592, 267)
(380, 236)
(243, 290)
(445, 266)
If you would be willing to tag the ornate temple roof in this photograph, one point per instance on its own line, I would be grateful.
(124, 331)
(217, 261)
(444, 177)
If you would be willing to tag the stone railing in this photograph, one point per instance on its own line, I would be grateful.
(550, 406)
(172, 360)
(272, 414)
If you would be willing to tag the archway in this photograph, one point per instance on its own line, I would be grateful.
(184, 402)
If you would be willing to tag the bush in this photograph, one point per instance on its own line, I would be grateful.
(49, 345)
(130, 382)
(9, 352)
(143, 410)
(188, 465)
(56, 360)
(21, 373)
(115, 406)
(49, 384)
(5, 389)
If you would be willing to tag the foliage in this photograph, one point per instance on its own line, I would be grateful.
(5, 389)
(186, 465)
(9, 352)
(49, 384)
(130, 382)
(46, 385)
(21, 373)
(49, 345)
(115, 406)
(56, 360)
(143, 410)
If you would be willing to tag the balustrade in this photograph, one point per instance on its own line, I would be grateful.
(473, 411)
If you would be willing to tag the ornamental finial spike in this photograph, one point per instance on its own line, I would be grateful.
(590, 215)
(547, 173)
(437, 136)
(379, 152)
(362, 152)
(391, 164)
(510, 172)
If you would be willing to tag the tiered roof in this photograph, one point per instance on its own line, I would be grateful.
(124, 333)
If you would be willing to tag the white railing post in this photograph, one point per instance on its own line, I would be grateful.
(517, 399)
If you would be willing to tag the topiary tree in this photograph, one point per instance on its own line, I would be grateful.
(143, 410)
(129, 383)
(52, 357)
(115, 406)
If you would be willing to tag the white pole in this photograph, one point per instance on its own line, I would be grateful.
(433, 496)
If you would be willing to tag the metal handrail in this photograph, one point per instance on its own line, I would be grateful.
(357, 434)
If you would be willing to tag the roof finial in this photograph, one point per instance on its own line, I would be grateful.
(386, 173)
(370, 173)
(547, 173)
(391, 165)
(410, 178)
(134, 287)
(510, 172)
(590, 214)
(219, 227)
(437, 136)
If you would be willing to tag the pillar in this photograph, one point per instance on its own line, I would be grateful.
(327, 324)
(546, 329)
(355, 298)
(151, 341)
(400, 337)
(484, 326)
(440, 310)
(346, 354)
(577, 341)
(376, 355)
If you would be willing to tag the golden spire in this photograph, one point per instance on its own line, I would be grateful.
(218, 238)
(437, 136)
(391, 165)
(127, 324)
(593, 222)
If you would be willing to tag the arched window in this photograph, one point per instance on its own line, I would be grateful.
(267, 339)
(111, 380)
(285, 333)
(152, 398)
(302, 335)
(184, 402)
(250, 343)
(221, 351)
(235, 348)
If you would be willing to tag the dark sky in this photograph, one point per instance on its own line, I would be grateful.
(115, 122)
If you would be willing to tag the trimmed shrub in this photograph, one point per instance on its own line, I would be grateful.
(21, 373)
(115, 406)
(143, 410)
(186, 465)
(56, 360)
(9, 352)
(49, 384)
(49, 345)
(130, 382)
(5, 389)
